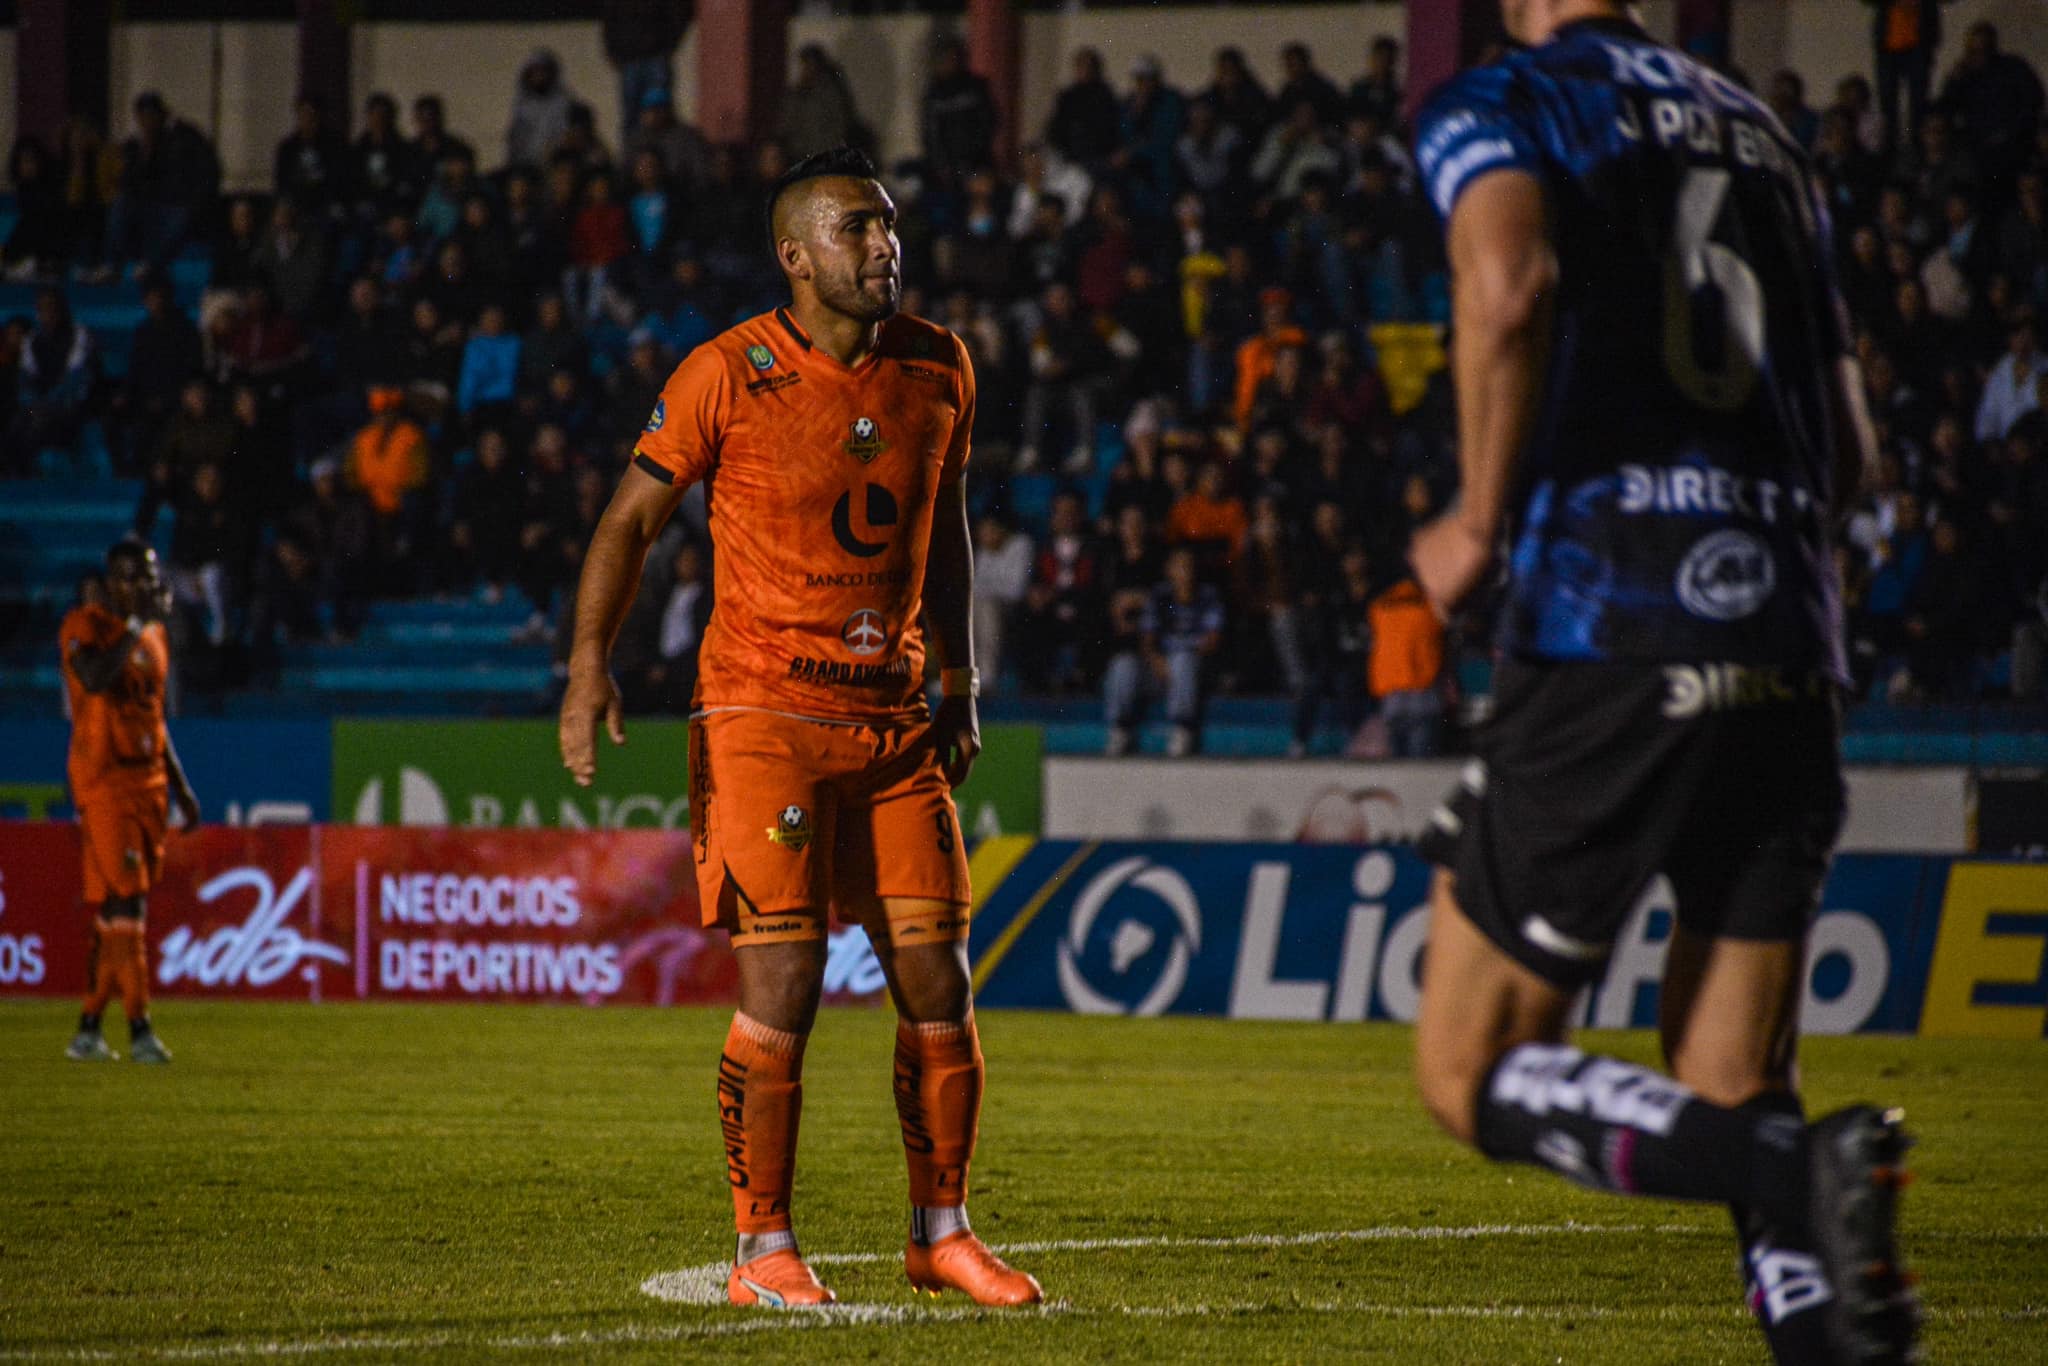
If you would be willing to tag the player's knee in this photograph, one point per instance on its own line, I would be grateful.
(933, 982)
(780, 983)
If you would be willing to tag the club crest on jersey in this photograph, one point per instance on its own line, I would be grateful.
(760, 357)
(657, 417)
(864, 632)
(865, 442)
(792, 829)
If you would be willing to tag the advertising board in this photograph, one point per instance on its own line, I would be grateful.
(246, 772)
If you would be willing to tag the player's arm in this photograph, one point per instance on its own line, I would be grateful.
(949, 609)
(611, 577)
(1504, 277)
(1855, 432)
(97, 668)
(182, 795)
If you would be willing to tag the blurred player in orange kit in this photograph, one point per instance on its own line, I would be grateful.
(832, 438)
(124, 775)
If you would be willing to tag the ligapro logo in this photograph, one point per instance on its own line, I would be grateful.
(420, 800)
(1132, 940)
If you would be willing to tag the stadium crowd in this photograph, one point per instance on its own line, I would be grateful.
(418, 365)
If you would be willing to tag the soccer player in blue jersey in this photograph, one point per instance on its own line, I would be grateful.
(1657, 418)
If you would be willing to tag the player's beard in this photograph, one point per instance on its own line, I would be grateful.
(854, 297)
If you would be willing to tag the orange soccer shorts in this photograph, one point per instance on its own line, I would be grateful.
(795, 818)
(123, 839)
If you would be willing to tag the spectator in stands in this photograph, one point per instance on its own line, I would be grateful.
(1266, 590)
(2022, 246)
(1305, 83)
(1149, 125)
(1044, 254)
(284, 602)
(59, 373)
(490, 366)
(389, 462)
(484, 517)
(682, 148)
(817, 110)
(1336, 635)
(430, 354)
(310, 167)
(959, 116)
(1787, 98)
(433, 144)
(1210, 153)
(1084, 118)
(265, 346)
(2012, 389)
(170, 178)
(164, 354)
(1906, 35)
(211, 544)
(40, 242)
(1057, 630)
(1177, 632)
(1293, 150)
(598, 240)
(1378, 91)
(547, 507)
(1853, 98)
(448, 189)
(196, 434)
(1240, 101)
(1255, 357)
(1043, 171)
(91, 172)
(550, 344)
(1997, 98)
(1002, 575)
(1406, 668)
(1942, 644)
(1210, 519)
(673, 675)
(383, 174)
(632, 390)
(540, 110)
(640, 39)
(485, 246)
(293, 260)
(1068, 360)
(333, 523)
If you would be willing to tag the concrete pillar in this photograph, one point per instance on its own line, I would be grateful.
(324, 59)
(1444, 37)
(995, 51)
(742, 67)
(61, 65)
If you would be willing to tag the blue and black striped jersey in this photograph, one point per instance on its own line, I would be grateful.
(1672, 503)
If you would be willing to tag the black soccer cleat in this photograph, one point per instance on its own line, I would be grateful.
(1855, 1161)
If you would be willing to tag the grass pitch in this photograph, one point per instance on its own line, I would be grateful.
(380, 1183)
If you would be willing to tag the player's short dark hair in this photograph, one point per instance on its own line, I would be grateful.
(842, 160)
(131, 548)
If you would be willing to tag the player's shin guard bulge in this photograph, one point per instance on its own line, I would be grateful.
(938, 1077)
(760, 1098)
(1615, 1126)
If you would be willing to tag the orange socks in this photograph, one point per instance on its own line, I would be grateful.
(133, 957)
(938, 1101)
(760, 1096)
(118, 962)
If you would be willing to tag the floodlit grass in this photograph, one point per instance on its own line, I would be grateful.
(382, 1183)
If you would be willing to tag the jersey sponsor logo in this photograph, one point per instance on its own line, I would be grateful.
(1685, 489)
(865, 442)
(768, 384)
(657, 417)
(854, 578)
(837, 673)
(916, 371)
(1694, 689)
(1541, 1078)
(864, 633)
(1726, 576)
(881, 512)
(792, 829)
(760, 357)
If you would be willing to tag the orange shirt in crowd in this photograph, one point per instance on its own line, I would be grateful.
(821, 482)
(1255, 363)
(1197, 517)
(1407, 641)
(388, 462)
(117, 736)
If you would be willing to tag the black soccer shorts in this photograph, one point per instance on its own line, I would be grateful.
(1593, 778)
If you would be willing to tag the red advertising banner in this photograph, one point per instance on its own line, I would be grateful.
(396, 913)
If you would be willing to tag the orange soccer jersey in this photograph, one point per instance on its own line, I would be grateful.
(117, 736)
(821, 482)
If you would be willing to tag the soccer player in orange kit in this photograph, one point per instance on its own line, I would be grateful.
(832, 437)
(124, 775)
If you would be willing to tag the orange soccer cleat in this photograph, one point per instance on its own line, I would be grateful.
(963, 1262)
(779, 1280)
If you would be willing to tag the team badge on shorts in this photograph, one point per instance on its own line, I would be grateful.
(657, 417)
(792, 829)
(866, 441)
(760, 357)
